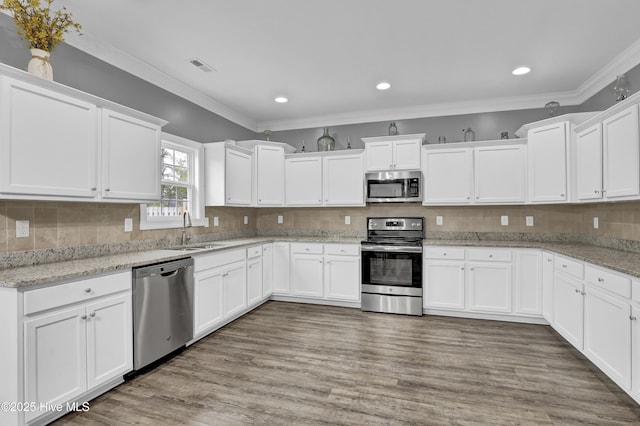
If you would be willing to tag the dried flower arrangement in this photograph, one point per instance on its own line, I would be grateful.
(42, 27)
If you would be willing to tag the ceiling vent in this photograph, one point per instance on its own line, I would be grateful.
(201, 65)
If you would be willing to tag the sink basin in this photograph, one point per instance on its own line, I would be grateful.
(193, 248)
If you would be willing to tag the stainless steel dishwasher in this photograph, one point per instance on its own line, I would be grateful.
(162, 310)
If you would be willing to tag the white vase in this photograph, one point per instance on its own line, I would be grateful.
(39, 64)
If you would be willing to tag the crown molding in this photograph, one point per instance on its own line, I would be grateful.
(147, 72)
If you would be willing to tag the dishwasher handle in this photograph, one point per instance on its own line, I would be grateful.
(172, 273)
(167, 269)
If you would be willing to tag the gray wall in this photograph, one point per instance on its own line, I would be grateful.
(605, 98)
(77, 69)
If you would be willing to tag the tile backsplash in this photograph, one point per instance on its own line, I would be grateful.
(67, 224)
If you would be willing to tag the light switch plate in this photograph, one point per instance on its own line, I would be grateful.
(439, 220)
(280, 219)
(206, 221)
(128, 224)
(216, 221)
(347, 220)
(246, 220)
(596, 222)
(529, 220)
(22, 228)
(504, 220)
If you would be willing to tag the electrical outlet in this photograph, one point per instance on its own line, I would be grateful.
(216, 221)
(439, 220)
(206, 221)
(596, 222)
(246, 220)
(347, 220)
(280, 219)
(22, 228)
(504, 220)
(529, 220)
(128, 224)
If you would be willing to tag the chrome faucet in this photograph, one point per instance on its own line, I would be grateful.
(186, 223)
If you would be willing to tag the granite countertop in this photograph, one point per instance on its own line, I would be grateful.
(26, 276)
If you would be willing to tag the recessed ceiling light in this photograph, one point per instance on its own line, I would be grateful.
(521, 71)
(383, 85)
(281, 100)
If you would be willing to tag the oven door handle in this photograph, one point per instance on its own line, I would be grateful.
(392, 249)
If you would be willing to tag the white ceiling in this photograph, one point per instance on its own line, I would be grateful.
(442, 56)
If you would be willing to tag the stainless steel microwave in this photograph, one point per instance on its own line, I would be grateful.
(394, 187)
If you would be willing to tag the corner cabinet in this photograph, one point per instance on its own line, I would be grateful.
(399, 152)
(78, 133)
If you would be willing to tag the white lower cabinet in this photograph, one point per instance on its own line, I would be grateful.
(489, 287)
(254, 278)
(547, 286)
(527, 295)
(281, 269)
(207, 301)
(635, 351)
(607, 334)
(307, 270)
(83, 344)
(444, 284)
(267, 270)
(568, 308)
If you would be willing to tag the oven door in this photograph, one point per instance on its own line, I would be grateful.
(392, 266)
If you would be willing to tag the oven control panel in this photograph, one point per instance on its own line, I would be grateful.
(395, 224)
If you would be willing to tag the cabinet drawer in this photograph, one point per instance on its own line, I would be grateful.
(608, 280)
(444, 253)
(208, 261)
(77, 291)
(342, 249)
(254, 251)
(569, 266)
(497, 255)
(309, 248)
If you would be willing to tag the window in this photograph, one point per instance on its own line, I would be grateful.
(181, 181)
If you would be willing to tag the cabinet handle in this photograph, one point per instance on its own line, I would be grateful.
(600, 280)
(577, 291)
(328, 262)
(84, 317)
(229, 199)
(92, 314)
(471, 269)
(603, 191)
(632, 317)
(562, 195)
(477, 198)
(307, 249)
(490, 255)
(320, 261)
(93, 188)
(462, 269)
(564, 266)
(107, 189)
(319, 201)
(468, 198)
(549, 260)
(583, 293)
(87, 290)
(444, 254)
(596, 191)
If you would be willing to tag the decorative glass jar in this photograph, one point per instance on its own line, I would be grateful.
(326, 142)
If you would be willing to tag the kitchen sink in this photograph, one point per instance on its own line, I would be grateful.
(198, 247)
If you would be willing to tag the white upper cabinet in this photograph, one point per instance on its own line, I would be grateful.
(303, 177)
(269, 174)
(401, 152)
(343, 177)
(130, 158)
(55, 157)
(547, 163)
(76, 136)
(327, 179)
(608, 154)
(448, 176)
(499, 173)
(228, 175)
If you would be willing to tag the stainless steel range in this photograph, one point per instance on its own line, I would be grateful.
(392, 265)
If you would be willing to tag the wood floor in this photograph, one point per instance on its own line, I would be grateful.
(290, 364)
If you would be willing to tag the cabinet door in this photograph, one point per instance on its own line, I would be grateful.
(306, 275)
(234, 289)
(130, 158)
(448, 175)
(621, 154)
(547, 286)
(207, 301)
(254, 281)
(568, 309)
(56, 157)
(281, 269)
(489, 287)
(267, 270)
(547, 158)
(607, 335)
(55, 357)
(270, 175)
(406, 154)
(343, 180)
(635, 352)
(303, 181)
(528, 282)
(589, 163)
(238, 177)
(444, 284)
(499, 174)
(109, 339)
(379, 155)
(342, 277)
